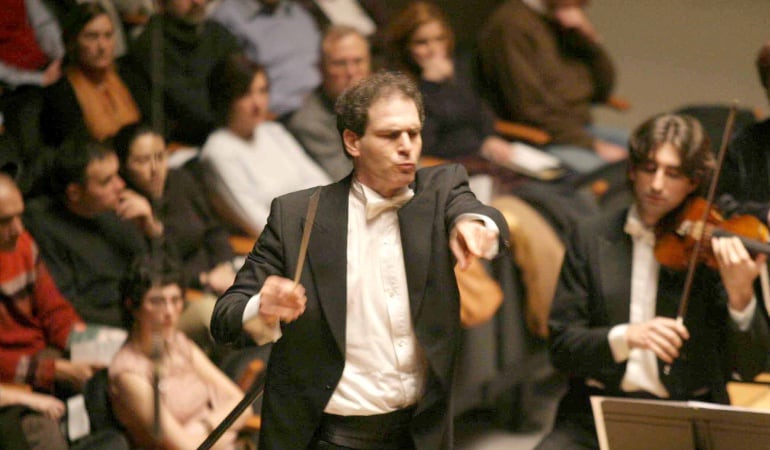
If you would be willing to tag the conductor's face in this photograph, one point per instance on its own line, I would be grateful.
(386, 156)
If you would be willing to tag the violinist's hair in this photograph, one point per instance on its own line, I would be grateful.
(684, 133)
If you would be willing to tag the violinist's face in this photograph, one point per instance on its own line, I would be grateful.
(659, 184)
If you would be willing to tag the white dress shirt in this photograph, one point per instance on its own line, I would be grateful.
(385, 367)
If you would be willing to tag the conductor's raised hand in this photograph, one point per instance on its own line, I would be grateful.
(470, 238)
(281, 299)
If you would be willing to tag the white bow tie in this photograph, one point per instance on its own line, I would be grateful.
(375, 208)
(636, 230)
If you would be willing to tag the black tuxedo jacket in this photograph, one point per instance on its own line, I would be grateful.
(307, 362)
(593, 295)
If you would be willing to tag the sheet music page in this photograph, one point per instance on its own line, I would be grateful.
(601, 430)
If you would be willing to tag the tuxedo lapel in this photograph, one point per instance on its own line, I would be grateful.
(669, 292)
(327, 257)
(414, 220)
(615, 271)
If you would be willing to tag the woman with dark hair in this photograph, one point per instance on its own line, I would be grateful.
(200, 240)
(194, 395)
(91, 97)
(457, 123)
(250, 160)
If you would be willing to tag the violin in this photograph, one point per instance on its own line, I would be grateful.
(676, 241)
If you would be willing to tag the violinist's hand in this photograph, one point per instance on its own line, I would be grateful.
(281, 300)
(738, 270)
(471, 238)
(663, 335)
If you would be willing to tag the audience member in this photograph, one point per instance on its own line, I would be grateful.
(194, 395)
(345, 60)
(281, 36)
(249, 160)
(743, 181)
(173, 72)
(541, 63)
(457, 123)
(91, 98)
(612, 326)
(31, 52)
(190, 229)
(35, 318)
(31, 49)
(199, 239)
(91, 229)
(36, 321)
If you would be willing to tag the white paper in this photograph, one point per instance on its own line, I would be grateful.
(532, 162)
(96, 345)
(531, 158)
(78, 424)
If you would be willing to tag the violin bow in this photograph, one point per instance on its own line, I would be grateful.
(255, 390)
(728, 131)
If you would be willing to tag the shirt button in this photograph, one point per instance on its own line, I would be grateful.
(328, 387)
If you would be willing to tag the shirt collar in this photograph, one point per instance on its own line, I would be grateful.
(635, 228)
(365, 194)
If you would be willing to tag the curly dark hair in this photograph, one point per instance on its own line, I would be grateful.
(685, 133)
(353, 105)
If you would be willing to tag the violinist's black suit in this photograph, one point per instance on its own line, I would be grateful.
(306, 363)
(593, 295)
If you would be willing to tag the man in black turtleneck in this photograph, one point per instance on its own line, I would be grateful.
(191, 46)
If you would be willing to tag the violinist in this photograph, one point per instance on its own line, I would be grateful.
(612, 326)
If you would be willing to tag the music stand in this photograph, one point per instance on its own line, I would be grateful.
(630, 424)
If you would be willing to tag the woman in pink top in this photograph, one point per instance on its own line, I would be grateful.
(194, 394)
